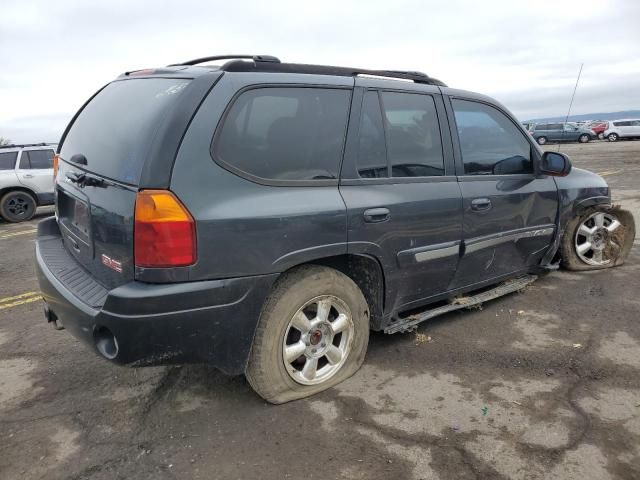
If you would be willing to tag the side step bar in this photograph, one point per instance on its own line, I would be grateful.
(411, 322)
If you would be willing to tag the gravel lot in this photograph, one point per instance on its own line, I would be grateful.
(542, 384)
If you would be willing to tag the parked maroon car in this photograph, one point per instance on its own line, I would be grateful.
(598, 128)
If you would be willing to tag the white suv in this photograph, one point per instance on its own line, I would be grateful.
(26, 179)
(626, 128)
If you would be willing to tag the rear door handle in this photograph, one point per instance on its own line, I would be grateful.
(376, 215)
(480, 204)
(28, 175)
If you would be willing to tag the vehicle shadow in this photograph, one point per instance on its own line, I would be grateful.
(41, 214)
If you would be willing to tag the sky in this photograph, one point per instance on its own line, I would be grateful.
(525, 53)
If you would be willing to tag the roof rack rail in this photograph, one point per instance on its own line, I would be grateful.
(22, 145)
(414, 73)
(255, 58)
(238, 65)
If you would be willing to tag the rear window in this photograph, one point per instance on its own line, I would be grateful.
(114, 131)
(8, 160)
(285, 134)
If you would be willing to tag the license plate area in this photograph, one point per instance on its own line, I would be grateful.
(74, 218)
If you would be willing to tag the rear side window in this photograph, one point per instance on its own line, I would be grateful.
(36, 159)
(491, 143)
(114, 131)
(285, 134)
(8, 160)
(413, 135)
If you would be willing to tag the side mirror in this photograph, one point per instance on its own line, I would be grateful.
(555, 164)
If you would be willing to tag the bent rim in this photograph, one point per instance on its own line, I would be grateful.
(594, 241)
(317, 340)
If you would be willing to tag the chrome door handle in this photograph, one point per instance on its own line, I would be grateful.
(376, 215)
(480, 204)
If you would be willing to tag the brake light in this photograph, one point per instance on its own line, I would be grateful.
(56, 159)
(164, 231)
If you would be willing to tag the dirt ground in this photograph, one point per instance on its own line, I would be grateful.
(542, 384)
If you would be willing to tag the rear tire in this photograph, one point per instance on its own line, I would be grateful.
(280, 380)
(584, 138)
(613, 137)
(17, 206)
(541, 140)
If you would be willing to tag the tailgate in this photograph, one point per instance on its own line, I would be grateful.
(96, 223)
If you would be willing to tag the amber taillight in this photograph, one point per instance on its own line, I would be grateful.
(56, 159)
(164, 231)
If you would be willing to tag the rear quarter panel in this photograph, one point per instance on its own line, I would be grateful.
(245, 228)
(8, 178)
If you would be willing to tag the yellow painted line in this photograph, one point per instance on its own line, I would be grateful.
(27, 297)
(15, 234)
(19, 302)
(18, 297)
(609, 172)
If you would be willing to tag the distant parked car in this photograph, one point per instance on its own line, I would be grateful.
(26, 180)
(598, 128)
(528, 126)
(627, 128)
(561, 132)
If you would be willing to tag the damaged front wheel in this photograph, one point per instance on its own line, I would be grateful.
(599, 238)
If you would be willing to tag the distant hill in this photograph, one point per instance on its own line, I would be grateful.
(591, 116)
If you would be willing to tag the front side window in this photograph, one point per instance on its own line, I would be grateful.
(285, 133)
(413, 135)
(490, 142)
(8, 160)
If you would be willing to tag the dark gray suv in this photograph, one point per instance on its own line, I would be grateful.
(263, 216)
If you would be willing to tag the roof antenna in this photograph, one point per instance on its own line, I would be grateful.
(572, 97)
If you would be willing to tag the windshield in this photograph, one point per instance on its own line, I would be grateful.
(114, 131)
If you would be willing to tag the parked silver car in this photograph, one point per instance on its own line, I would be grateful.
(625, 128)
(26, 179)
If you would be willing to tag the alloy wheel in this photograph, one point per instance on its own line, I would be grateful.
(595, 242)
(318, 340)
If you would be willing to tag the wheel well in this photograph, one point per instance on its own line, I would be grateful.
(367, 273)
(6, 190)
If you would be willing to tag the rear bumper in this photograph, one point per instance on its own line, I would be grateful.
(208, 321)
